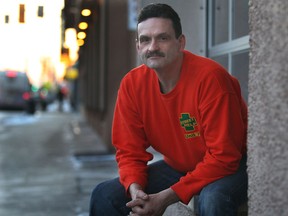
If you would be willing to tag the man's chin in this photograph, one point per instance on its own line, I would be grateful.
(153, 64)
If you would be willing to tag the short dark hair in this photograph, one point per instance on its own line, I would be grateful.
(159, 10)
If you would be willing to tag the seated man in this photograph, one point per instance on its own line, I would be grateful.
(189, 109)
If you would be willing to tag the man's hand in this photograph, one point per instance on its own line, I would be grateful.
(137, 192)
(150, 205)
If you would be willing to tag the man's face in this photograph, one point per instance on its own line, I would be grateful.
(157, 44)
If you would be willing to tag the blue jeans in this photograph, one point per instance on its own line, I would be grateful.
(221, 197)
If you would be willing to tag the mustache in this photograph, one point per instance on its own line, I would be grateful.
(155, 53)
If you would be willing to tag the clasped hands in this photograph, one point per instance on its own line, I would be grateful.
(143, 204)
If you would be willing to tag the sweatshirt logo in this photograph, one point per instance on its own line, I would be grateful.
(189, 123)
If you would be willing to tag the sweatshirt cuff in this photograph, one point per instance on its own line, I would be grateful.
(129, 181)
(181, 193)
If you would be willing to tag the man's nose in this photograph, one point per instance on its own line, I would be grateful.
(153, 45)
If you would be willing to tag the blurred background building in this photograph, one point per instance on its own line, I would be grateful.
(30, 39)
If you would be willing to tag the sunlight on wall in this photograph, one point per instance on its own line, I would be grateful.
(35, 45)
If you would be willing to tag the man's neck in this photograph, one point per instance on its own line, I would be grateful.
(169, 76)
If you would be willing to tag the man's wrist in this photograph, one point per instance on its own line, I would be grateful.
(133, 188)
(170, 196)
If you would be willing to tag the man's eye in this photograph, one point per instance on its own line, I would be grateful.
(164, 38)
(144, 40)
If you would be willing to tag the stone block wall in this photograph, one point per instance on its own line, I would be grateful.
(268, 108)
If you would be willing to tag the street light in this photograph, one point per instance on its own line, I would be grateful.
(80, 42)
(81, 35)
(86, 12)
(83, 25)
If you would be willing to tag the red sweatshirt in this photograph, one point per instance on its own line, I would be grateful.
(199, 127)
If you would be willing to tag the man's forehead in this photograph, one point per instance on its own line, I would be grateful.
(155, 26)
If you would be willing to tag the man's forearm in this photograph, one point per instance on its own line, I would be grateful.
(169, 196)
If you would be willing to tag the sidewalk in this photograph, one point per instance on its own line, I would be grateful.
(91, 161)
(51, 164)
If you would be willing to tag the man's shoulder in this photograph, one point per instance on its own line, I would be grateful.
(139, 70)
(202, 67)
(138, 78)
(138, 73)
(201, 61)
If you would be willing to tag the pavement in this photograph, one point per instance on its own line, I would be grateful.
(52, 172)
(68, 167)
(91, 159)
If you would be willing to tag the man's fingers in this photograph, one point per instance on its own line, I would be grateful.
(136, 202)
(137, 211)
(132, 214)
(142, 195)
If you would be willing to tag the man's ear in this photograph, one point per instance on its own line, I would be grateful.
(182, 41)
(137, 43)
(137, 46)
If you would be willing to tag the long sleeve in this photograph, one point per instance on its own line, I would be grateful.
(129, 140)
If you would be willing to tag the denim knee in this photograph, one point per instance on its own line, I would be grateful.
(216, 203)
(98, 199)
(97, 192)
(108, 198)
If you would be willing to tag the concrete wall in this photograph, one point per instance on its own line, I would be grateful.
(268, 108)
(118, 56)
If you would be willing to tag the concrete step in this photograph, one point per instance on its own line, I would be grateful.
(192, 209)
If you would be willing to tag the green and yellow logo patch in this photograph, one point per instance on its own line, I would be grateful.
(188, 122)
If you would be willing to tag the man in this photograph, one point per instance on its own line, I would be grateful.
(189, 109)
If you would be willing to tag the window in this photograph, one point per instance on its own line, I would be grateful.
(228, 40)
(21, 13)
(6, 19)
(40, 11)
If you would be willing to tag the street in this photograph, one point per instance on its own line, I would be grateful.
(49, 163)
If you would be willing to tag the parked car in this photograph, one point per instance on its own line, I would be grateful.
(15, 91)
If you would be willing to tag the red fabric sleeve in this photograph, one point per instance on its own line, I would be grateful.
(130, 141)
